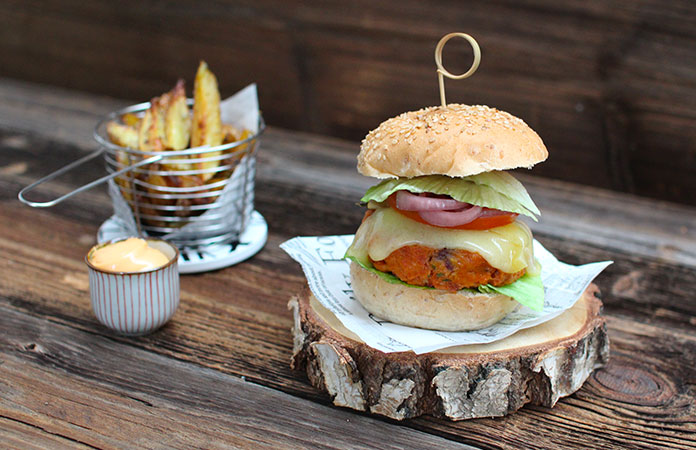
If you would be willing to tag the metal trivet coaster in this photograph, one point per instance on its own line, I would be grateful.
(208, 257)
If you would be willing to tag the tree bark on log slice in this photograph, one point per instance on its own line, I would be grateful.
(538, 365)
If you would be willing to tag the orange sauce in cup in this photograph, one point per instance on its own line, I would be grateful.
(130, 255)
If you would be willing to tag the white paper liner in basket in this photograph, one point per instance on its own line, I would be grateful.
(242, 111)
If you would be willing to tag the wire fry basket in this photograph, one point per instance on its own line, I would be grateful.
(193, 197)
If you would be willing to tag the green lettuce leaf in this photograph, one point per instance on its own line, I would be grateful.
(496, 190)
(527, 290)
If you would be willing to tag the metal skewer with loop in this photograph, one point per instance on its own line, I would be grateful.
(442, 72)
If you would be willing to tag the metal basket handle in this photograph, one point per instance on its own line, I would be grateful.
(71, 166)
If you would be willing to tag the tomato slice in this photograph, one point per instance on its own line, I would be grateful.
(368, 213)
(482, 223)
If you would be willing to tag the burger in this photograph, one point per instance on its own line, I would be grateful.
(441, 245)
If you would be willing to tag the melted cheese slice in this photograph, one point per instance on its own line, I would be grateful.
(507, 248)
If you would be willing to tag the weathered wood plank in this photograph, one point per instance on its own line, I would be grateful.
(608, 85)
(651, 288)
(61, 114)
(235, 322)
(617, 221)
(16, 434)
(222, 324)
(606, 219)
(619, 407)
(95, 391)
(619, 227)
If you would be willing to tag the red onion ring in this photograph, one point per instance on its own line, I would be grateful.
(488, 212)
(407, 201)
(451, 218)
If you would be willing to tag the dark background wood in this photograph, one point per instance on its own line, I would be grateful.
(609, 85)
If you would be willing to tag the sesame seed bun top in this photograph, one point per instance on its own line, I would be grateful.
(454, 140)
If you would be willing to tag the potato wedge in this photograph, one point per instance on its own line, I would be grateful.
(230, 133)
(146, 201)
(197, 201)
(122, 135)
(125, 186)
(237, 152)
(186, 181)
(131, 119)
(183, 181)
(207, 124)
(151, 135)
(177, 125)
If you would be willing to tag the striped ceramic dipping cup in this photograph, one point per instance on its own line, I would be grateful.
(135, 303)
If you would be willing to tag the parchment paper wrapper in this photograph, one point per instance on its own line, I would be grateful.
(328, 277)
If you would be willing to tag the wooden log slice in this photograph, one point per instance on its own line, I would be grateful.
(538, 365)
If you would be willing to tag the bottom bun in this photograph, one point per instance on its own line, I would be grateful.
(433, 309)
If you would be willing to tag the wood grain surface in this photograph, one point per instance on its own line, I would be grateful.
(66, 379)
(607, 84)
(93, 391)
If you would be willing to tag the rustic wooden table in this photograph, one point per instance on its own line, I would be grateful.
(217, 375)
